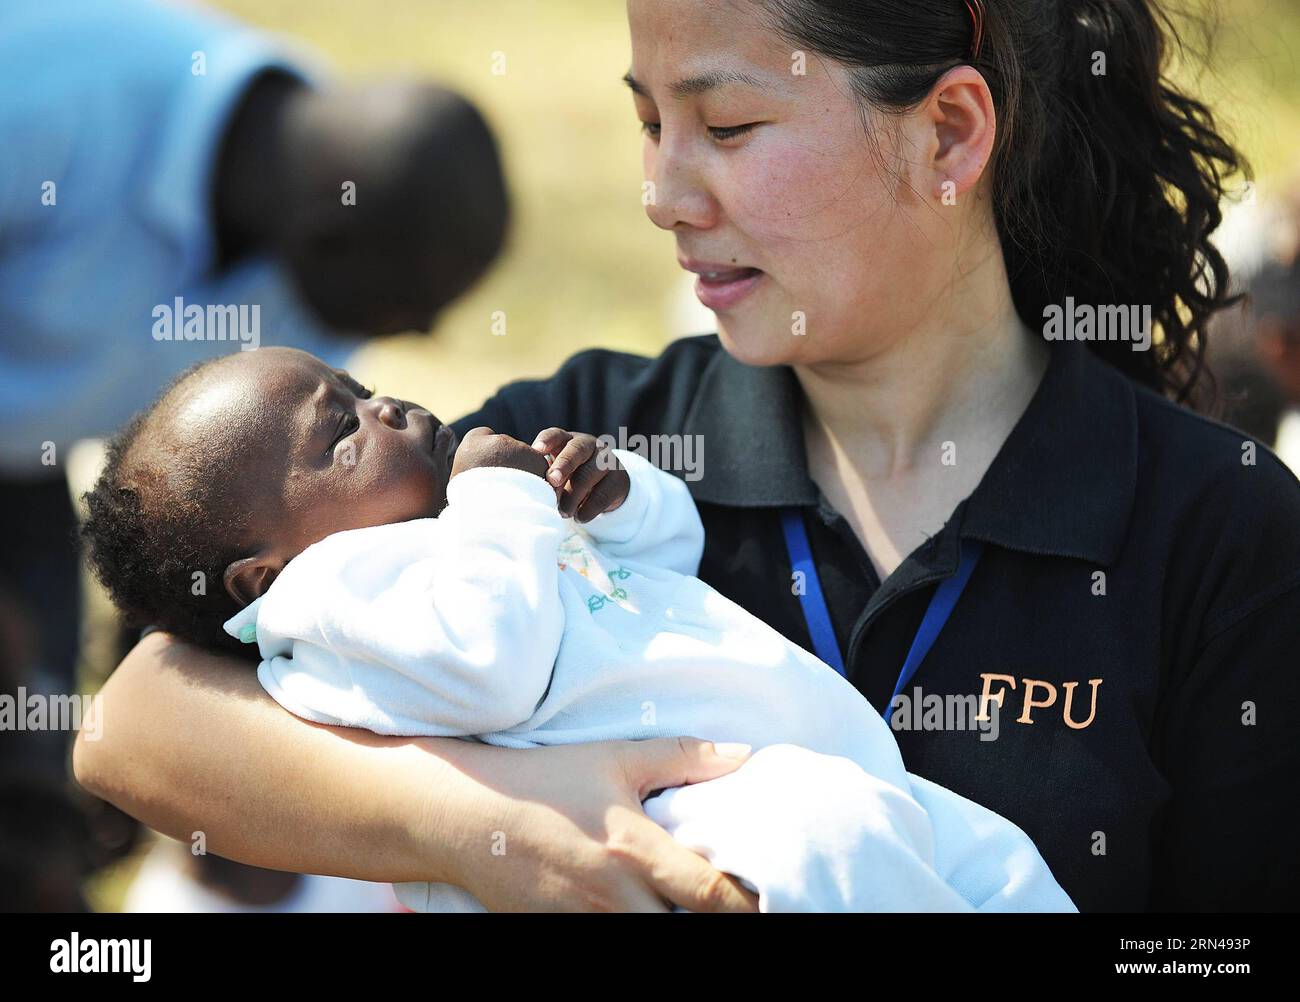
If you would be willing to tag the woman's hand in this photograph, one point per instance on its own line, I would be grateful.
(568, 832)
(588, 476)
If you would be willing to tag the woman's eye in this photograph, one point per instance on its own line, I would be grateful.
(722, 134)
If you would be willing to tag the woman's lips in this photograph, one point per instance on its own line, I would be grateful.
(722, 290)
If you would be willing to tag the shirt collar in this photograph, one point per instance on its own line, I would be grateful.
(1063, 483)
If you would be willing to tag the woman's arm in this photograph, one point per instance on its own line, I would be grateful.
(190, 743)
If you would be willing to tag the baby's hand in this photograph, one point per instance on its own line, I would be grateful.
(483, 447)
(587, 475)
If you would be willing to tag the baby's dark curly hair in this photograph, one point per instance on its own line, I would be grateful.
(166, 518)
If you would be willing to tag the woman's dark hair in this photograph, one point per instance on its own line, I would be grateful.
(163, 523)
(1106, 178)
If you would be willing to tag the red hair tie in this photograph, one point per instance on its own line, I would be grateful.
(976, 8)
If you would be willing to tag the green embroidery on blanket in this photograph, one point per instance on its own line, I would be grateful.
(576, 553)
(598, 602)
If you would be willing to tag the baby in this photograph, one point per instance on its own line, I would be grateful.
(394, 579)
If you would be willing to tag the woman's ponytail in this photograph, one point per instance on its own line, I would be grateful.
(1107, 178)
(1127, 191)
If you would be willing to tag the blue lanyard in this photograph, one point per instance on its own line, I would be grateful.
(815, 613)
(818, 617)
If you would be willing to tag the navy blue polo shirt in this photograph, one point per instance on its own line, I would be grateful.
(1121, 676)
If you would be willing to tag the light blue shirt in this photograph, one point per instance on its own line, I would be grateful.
(104, 117)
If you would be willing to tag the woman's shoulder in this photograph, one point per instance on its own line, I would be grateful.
(1228, 510)
(683, 356)
(599, 390)
(1203, 459)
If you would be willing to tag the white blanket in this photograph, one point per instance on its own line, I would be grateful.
(502, 621)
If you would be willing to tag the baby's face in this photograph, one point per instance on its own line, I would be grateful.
(322, 455)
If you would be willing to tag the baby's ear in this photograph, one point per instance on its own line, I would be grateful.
(248, 579)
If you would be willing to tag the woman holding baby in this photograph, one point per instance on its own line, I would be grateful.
(882, 205)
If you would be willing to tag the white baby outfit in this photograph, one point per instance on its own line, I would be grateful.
(502, 621)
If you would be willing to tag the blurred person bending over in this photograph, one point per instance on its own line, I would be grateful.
(176, 185)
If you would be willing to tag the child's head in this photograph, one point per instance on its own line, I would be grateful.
(239, 466)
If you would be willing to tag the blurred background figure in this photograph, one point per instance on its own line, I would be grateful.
(1255, 350)
(156, 152)
(175, 185)
(46, 844)
(1275, 307)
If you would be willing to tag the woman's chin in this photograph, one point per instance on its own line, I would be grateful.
(755, 345)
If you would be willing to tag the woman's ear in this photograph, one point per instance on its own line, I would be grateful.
(248, 579)
(963, 124)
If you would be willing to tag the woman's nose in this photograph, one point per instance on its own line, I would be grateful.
(391, 412)
(676, 194)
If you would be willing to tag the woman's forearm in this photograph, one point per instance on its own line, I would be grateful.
(191, 743)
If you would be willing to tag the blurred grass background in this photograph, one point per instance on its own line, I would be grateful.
(584, 267)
